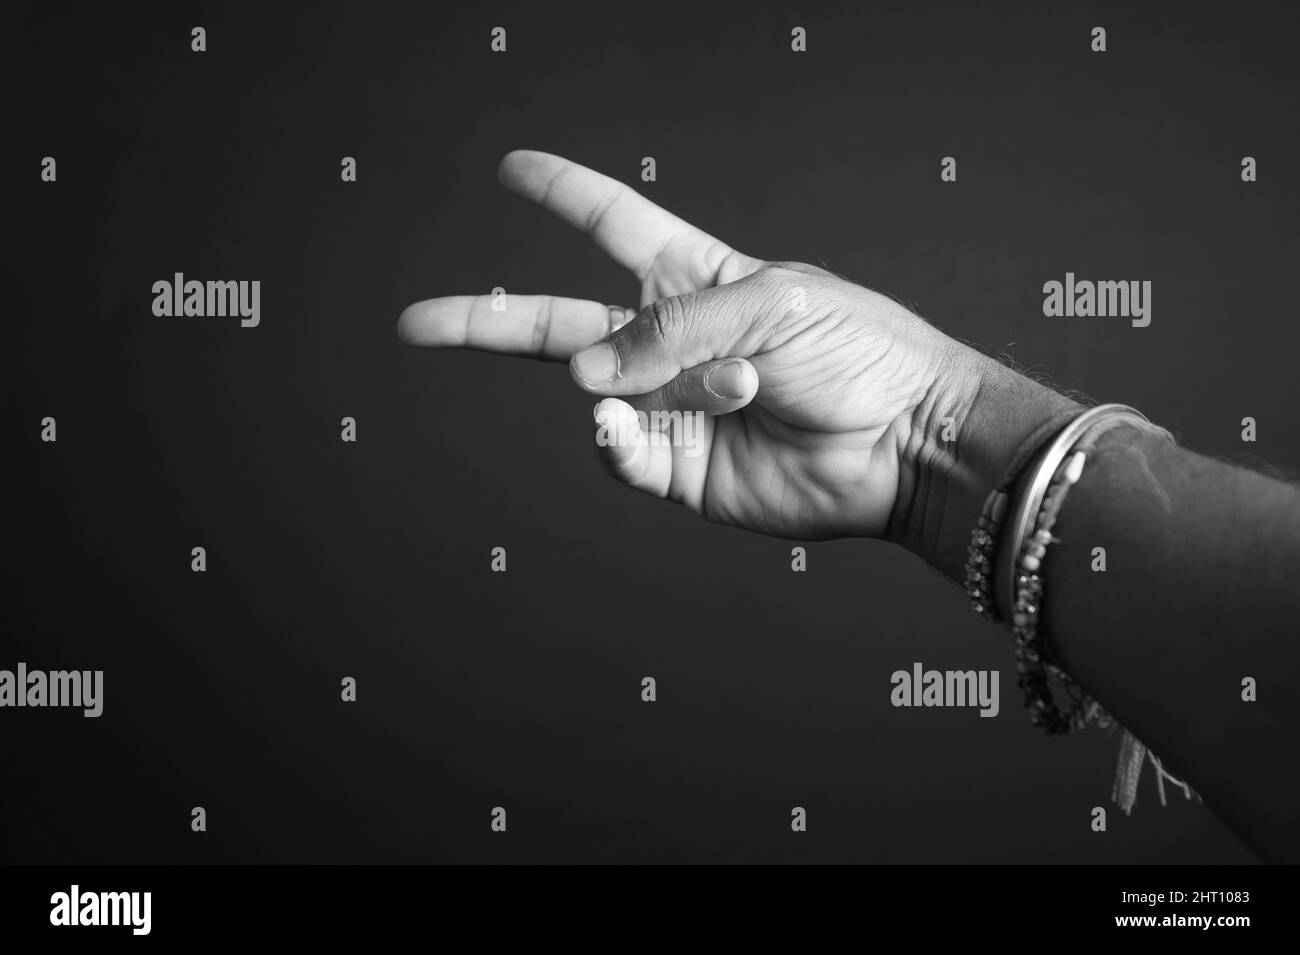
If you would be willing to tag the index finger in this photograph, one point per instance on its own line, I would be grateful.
(629, 227)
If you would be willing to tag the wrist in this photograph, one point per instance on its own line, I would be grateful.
(963, 435)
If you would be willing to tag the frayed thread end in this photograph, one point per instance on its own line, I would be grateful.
(1133, 756)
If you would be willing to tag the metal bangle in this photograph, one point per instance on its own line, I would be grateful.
(1031, 498)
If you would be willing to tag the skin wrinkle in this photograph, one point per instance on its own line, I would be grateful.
(957, 461)
(924, 471)
(709, 508)
(943, 518)
(729, 255)
(469, 315)
(898, 528)
(662, 312)
(543, 327)
(643, 273)
(808, 321)
(810, 480)
(852, 379)
(901, 527)
(773, 480)
(550, 184)
(598, 215)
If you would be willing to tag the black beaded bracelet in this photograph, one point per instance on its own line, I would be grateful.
(980, 553)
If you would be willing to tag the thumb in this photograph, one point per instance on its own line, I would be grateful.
(671, 335)
(716, 387)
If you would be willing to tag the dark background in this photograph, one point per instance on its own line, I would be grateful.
(371, 559)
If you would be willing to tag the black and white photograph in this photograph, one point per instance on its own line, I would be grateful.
(855, 440)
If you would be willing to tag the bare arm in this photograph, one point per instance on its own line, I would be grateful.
(1201, 590)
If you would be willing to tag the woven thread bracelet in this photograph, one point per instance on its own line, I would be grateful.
(1059, 469)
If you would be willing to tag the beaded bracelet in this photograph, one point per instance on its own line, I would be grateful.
(984, 538)
(979, 555)
(1041, 503)
(1031, 669)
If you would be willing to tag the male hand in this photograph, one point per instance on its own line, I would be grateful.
(816, 392)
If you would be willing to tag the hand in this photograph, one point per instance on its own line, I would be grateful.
(820, 396)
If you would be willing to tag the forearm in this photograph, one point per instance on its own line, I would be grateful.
(1201, 590)
(1201, 587)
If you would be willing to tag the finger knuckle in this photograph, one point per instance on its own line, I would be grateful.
(775, 280)
(776, 287)
(665, 318)
(784, 267)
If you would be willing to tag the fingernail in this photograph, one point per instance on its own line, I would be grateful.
(596, 364)
(726, 381)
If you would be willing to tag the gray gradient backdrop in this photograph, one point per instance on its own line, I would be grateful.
(371, 560)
